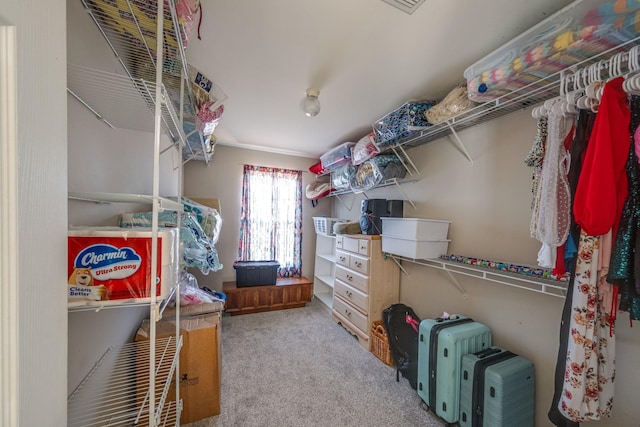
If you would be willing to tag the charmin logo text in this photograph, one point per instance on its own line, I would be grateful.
(108, 261)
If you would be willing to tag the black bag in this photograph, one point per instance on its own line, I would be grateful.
(402, 324)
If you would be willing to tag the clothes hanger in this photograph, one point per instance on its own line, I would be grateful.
(583, 102)
(631, 84)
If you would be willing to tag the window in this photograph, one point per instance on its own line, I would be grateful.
(271, 218)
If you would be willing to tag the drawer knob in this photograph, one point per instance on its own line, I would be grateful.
(349, 294)
(347, 312)
(349, 278)
(358, 264)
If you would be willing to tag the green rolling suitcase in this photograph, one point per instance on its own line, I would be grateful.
(441, 345)
(497, 390)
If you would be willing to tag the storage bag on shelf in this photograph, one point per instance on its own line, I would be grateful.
(342, 176)
(364, 149)
(456, 102)
(209, 99)
(196, 248)
(401, 122)
(376, 170)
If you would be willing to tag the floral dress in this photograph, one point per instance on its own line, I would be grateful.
(590, 366)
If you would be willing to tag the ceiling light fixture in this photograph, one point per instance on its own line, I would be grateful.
(311, 105)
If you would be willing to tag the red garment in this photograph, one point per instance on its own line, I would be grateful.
(559, 268)
(602, 186)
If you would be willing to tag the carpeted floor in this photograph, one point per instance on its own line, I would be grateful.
(298, 368)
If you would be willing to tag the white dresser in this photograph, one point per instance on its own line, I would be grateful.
(365, 284)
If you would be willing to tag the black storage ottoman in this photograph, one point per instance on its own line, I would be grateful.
(255, 273)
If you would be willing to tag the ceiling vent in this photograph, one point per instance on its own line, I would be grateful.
(408, 6)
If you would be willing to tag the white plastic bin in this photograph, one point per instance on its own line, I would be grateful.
(414, 249)
(415, 228)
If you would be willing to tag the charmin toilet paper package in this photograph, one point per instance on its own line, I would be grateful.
(114, 264)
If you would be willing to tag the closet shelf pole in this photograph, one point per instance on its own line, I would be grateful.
(98, 115)
(154, 218)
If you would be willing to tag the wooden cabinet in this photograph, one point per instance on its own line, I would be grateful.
(365, 284)
(286, 293)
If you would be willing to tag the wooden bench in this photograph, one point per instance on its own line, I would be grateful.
(288, 292)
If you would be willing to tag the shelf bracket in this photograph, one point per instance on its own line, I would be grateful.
(404, 159)
(337, 196)
(406, 197)
(458, 142)
(456, 283)
(398, 264)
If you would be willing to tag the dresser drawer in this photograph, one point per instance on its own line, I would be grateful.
(353, 279)
(350, 244)
(339, 241)
(358, 319)
(359, 264)
(343, 258)
(352, 295)
(363, 247)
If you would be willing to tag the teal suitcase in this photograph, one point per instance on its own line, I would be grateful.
(497, 389)
(441, 345)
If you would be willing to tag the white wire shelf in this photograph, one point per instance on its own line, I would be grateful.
(554, 288)
(106, 198)
(116, 391)
(123, 102)
(516, 100)
(96, 306)
(129, 28)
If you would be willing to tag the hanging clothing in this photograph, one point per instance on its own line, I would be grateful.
(590, 364)
(553, 212)
(584, 127)
(623, 269)
(534, 159)
(602, 186)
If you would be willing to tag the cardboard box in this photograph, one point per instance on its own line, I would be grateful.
(200, 367)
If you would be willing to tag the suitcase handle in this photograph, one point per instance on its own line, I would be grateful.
(488, 352)
(451, 317)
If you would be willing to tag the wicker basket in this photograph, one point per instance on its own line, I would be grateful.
(380, 343)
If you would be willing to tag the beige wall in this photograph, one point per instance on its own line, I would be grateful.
(222, 178)
(488, 203)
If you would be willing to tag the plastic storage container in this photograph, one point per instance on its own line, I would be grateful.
(415, 228)
(255, 273)
(580, 30)
(337, 156)
(414, 249)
